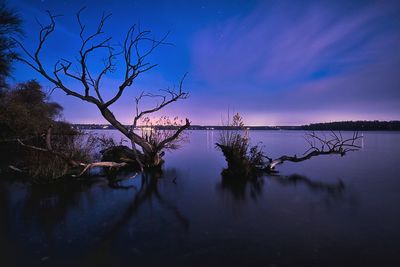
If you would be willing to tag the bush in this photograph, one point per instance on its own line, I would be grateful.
(27, 116)
(243, 160)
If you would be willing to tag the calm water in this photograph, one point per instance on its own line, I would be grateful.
(328, 211)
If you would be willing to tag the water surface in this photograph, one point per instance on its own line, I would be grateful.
(328, 211)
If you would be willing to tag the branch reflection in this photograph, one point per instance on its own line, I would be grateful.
(241, 188)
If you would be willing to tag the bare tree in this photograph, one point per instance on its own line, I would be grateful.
(135, 63)
(318, 145)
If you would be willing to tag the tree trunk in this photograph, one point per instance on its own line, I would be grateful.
(153, 159)
(134, 138)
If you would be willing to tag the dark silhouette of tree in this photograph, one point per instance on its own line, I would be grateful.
(136, 48)
(10, 25)
(32, 139)
(25, 111)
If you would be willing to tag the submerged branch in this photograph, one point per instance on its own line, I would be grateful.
(319, 146)
(109, 164)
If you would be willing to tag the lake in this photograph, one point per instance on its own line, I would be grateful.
(327, 211)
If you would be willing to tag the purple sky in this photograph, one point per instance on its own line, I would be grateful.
(275, 62)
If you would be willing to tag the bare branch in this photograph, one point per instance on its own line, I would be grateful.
(43, 35)
(133, 70)
(336, 145)
(37, 65)
(108, 67)
(163, 143)
(173, 96)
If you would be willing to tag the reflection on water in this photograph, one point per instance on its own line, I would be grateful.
(189, 215)
(242, 188)
(211, 139)
(295, 179)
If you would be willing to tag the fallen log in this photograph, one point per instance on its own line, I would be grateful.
(336, 144)
(109, 164)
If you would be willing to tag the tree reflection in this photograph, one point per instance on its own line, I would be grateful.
(52, 216)
(294, 179)
(49, 205)
(146, 192)
(46, 207)
(241, 188)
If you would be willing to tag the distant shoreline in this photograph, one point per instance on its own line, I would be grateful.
(329, 126)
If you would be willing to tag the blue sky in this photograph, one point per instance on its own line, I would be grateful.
(275, 62)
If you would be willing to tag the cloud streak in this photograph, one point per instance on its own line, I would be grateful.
(317, 57)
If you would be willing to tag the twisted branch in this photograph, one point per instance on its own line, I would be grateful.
(335, 144)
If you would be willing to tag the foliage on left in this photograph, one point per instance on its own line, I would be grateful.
(28, 120)
(10, 26)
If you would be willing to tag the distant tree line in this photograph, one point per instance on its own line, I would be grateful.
(354, 126)
(328, 126)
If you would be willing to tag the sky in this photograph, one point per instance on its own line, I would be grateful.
(274, 62)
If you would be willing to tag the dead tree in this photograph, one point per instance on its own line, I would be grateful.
(318, 145)
(135, 63)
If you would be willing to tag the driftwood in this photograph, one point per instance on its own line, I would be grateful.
(109, 164)
(335, 144)
(67, 159)
(12, 167)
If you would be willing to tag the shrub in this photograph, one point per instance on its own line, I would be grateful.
(234, 143)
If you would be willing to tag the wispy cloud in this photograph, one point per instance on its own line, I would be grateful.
(317, 57)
